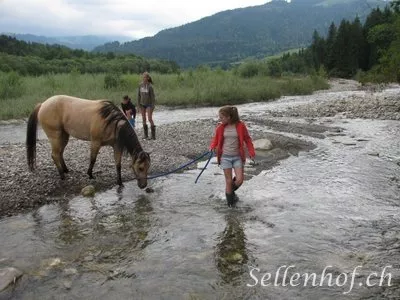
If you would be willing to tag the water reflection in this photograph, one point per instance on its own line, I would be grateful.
(69, 229)
(123, 231)
(231, 254)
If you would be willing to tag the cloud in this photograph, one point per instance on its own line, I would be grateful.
(136, 19)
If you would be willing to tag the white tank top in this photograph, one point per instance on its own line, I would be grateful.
(231, 141)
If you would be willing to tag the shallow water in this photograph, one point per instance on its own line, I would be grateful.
(335, 207)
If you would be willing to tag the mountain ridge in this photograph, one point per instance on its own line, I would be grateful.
(254, 31)
(85, 42)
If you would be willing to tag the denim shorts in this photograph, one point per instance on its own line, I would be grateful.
(231, 161)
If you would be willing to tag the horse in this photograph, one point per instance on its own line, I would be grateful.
(99, 121)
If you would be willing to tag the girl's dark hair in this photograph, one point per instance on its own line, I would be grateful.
(231, 112)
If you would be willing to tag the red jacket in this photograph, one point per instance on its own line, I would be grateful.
(243, 135)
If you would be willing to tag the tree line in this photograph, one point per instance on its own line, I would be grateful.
(37, 59)
(370, 49)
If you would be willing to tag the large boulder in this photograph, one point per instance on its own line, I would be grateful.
(263, 144)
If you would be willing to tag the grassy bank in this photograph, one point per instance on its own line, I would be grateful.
(18, 95)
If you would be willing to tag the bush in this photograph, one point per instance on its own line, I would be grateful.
(11, 85)
(275, 68)
(112, 80)
(248, 69)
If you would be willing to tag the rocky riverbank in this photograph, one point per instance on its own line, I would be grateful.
(176, 145)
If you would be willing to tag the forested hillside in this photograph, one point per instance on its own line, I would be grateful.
(85, 42)
(257, 31)
(368, 51)
(36, 59)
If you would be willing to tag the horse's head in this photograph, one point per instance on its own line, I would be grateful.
(140, 166)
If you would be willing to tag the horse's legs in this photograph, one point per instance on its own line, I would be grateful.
(94, 150)
(117, 158)
(64, 140)
(56, 147)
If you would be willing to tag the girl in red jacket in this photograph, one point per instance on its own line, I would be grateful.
(229, 139)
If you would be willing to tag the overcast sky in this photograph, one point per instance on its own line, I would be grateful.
(132, 18)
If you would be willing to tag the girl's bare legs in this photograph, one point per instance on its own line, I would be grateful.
(239, 174)
(228, 181)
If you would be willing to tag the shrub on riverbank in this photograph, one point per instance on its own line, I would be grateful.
(202, 87)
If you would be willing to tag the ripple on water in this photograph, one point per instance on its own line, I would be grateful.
(332, 206)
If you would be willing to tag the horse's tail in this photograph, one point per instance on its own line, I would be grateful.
(31, 135)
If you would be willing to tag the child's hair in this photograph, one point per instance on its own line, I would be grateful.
(230, 111)
(148, 77)
(126, 97)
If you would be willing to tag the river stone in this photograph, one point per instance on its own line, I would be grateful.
(373, 153)
(8, 276)
(88, 191)
(263, 144)
(235, 257)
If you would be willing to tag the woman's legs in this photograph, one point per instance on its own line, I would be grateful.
(153, 127)
(149, 111)
(145, 127)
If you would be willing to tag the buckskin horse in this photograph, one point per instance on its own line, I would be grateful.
(99, 121)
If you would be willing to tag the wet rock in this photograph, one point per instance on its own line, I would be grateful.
(349, 143)
(263, 144)
(8, 276)
(70, 271)
(234, 257)
(373, 153)
(67, 284)
(88, 191)
(89, 258)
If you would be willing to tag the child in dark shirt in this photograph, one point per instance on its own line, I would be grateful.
(129, 109)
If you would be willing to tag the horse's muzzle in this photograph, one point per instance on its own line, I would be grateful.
(142, 183)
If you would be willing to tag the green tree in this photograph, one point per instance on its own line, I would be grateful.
(329, 60)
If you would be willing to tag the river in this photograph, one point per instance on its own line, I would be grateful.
(321, 225)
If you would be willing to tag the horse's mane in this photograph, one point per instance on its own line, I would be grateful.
(126, 137)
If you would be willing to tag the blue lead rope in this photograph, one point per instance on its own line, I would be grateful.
(205, 166)
(187, 164)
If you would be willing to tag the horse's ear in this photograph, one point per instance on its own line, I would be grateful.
(149, 152)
